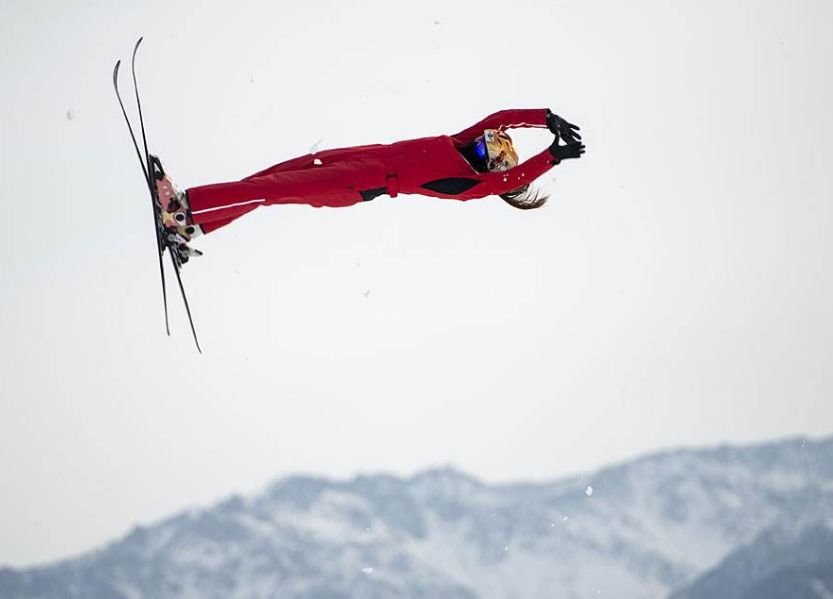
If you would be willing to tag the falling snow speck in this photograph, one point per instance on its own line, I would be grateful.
(565, 518)
(506, 548)
(588, 491)
(367, 570)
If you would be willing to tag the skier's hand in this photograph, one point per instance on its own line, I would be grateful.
(561, 128)
(571, 150)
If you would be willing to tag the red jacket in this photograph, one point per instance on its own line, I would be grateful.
(431, 166)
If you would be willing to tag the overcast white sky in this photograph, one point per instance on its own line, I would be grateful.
(675, 291)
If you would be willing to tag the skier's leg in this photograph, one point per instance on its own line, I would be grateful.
(294, 164)
(217, 224)
(224, 214)
(323, 158)
(335, 186)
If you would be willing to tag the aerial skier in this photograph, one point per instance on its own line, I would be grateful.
(475, 163)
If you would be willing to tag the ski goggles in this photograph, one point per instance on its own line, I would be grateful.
(480, 149)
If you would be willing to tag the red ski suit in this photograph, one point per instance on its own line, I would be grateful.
(430, 166)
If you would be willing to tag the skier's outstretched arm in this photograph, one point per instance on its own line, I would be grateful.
(518, 118)
(529, 170)
(505, 119)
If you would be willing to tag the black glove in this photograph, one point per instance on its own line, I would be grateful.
(571, 150)
(561, 128)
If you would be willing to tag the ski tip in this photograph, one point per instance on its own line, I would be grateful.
(138, 41)
(116, 70)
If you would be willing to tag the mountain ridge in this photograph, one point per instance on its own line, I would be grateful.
(641, 528)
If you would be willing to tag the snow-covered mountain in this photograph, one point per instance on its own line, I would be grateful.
(640, 529)
(787, 560)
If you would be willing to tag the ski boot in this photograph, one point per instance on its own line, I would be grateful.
(175, 223)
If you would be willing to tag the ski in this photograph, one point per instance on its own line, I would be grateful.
(159, 245)
(162, 240)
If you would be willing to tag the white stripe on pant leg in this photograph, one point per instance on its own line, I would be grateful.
(235, 205)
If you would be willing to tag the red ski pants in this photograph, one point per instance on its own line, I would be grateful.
(299, 181)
